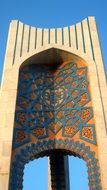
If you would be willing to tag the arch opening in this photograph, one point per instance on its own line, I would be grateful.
(52, 114)
(44, 148)
(36, 174)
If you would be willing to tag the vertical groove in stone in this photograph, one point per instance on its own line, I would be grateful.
(49, 36)
(79, 37)
(90, 39)
(42, 37)
(39, 37)
(66, 36)
(76, 37)
(29, 38)
(22, 41)
(73, 37)
(14, 54)
(35, 37)
(25, 40)
(55, 35)
(18, 45)
(52, 35)
(32, 39)
(69, 36)
(83, 38)
(59, 36)
(62, 36)
(45, 36)
(86, 38)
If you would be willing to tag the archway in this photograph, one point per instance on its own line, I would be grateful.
(36, 174)
(43, 148)
(54, 114)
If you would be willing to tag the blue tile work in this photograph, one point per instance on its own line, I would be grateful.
(43, 148)
(54, 99)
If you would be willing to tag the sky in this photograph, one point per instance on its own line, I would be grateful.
(56, 13)
(38, 178)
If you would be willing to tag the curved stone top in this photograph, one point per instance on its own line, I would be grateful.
(24, 38)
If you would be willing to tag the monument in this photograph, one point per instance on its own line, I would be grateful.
(53, 102)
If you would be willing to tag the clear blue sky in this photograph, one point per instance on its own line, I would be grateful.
(56, 13)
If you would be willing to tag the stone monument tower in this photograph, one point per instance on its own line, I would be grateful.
(53, 102)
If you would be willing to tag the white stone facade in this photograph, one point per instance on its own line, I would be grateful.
(25, 43)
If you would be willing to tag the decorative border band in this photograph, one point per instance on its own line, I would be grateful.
(43, 148)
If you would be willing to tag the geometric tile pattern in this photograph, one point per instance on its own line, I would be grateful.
(55, 99)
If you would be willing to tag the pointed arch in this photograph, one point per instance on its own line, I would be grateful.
(41, 147)
(54, 53)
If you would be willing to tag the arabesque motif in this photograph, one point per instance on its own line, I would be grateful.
(53, 99)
